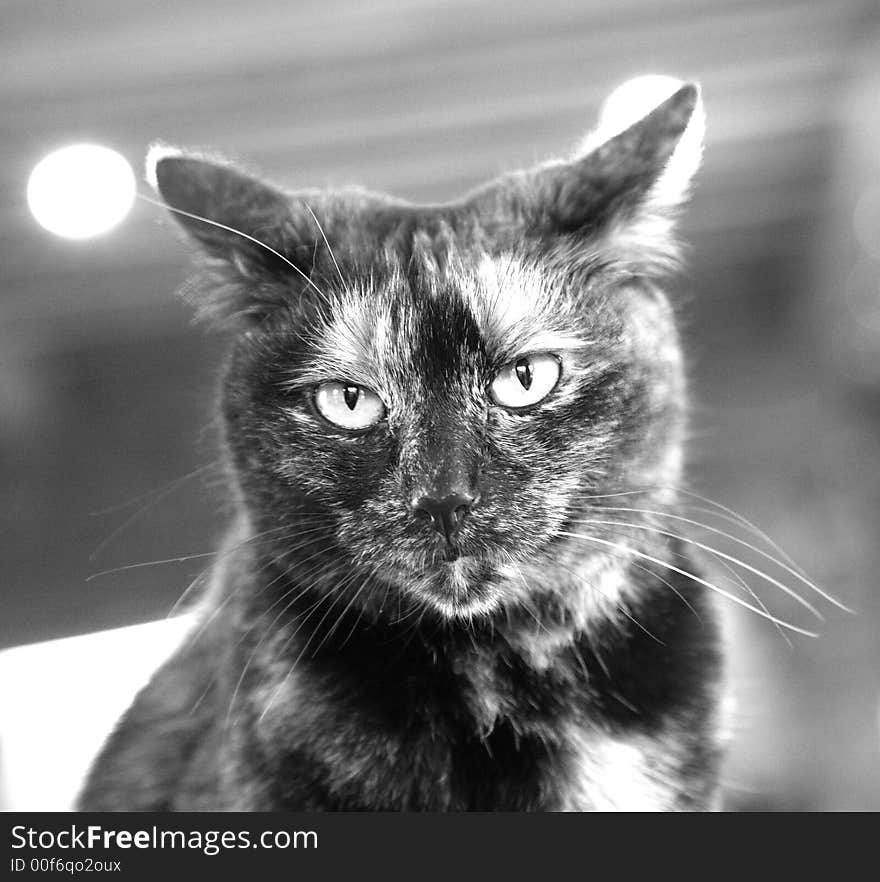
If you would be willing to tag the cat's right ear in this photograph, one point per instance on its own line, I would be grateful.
(618, 198)
(250, 230)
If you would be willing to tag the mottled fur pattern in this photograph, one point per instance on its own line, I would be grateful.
(349, 656)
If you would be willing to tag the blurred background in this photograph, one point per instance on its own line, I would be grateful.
(106, 389)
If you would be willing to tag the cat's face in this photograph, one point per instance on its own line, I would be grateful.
(433, 393)
(448, 419)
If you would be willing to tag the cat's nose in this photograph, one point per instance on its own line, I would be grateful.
(446, 514)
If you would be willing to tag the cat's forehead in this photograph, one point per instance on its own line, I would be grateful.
(441, 308)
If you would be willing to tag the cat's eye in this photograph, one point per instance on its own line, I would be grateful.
(526, 380)
(348, 405)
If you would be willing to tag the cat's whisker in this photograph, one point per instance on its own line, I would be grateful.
(744, 521)
(528, 608)
(740, 582)
(714, 551)
(731, 517)
(717, 509)
(620, 607)
(338, 591)
(157, 498)
(529, 592)
(223, 554)
(266, 632)
(342, 615)
(361, 612)
(205, 623)
(728, 514)
(694, 507)
(781, 564)
(120, 506)
(754, 595)
(151, 563)
(280, 556)
(420, 609)
(639, 625)
(205, 692)
(633, 551)
(417, 607)
(226, 552)
(321, 600)
(670, 586)
(327, 243)
(309, 573)
(219, 554)
(307, 615)
(205, 573)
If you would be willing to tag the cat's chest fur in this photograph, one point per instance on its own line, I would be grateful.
(533, 758)
(504, 723)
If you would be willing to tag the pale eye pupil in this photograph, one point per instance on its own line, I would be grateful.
(351, 395)
(523, 370)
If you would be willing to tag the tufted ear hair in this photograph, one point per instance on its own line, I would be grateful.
(622, 190)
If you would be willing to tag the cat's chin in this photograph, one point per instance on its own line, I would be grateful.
(457, 585)
(466, 610)
(461, 588)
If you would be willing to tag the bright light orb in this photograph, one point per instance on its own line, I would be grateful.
(81, 191)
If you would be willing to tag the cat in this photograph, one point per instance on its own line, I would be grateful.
(448, 431)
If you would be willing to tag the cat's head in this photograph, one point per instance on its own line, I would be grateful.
(434, 392)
